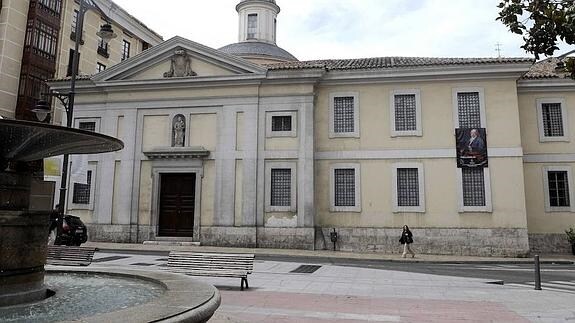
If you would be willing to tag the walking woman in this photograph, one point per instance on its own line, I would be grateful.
(406, 239)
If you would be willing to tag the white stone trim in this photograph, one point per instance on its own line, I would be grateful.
(357, 168)
(90, 205)
(549, 158)
(488, 207)
(418, 131)
(356, 132)
(482, 114)
(421, 186)
(293, 198)
(294, 121)
(548, 207)
(410, 153)
(564, 117)
(96, 120)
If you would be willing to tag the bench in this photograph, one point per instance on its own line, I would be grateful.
(212, 264)
(70, 256)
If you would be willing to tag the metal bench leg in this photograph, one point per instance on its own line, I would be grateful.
(242, 286)
(244, 280)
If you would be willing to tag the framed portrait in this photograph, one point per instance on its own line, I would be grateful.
(471, 147)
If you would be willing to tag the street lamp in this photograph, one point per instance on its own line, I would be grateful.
(42, 108)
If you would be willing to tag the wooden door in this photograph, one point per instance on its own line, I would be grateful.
(177, 205)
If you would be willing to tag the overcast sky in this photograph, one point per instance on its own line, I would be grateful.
(317, 29)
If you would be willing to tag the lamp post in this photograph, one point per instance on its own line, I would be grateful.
(42, 108)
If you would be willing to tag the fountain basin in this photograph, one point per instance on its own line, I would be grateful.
(118, 295)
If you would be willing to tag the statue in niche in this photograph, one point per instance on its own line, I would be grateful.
(178, 131)
(181, 65)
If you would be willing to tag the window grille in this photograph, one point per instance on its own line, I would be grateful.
(473, 186)
(407, 187)
(558, 188)
(75, 20)
(82, 191)
(252, 25)
(280, 187)
(344, 192)
(469, 110)
(552, 120)
(281, 123)
(405, 112)
(88, 126)
(343, 118)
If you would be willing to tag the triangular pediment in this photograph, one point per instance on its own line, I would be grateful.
(179, 58)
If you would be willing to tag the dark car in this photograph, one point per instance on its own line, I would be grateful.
(73, 233)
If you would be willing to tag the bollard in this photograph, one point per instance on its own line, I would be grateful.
(333, 237)
(537, 273)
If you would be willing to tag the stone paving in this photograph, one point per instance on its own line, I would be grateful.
(350, 294)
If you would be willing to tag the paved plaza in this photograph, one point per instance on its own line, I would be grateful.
(331, 293)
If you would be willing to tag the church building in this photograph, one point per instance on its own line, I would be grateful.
(247, 146)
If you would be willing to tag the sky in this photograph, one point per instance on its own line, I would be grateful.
(324, 29)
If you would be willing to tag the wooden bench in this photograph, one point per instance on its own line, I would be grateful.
(70, 256)
(212, 264)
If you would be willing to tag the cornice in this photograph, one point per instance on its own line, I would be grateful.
(545, 85)
(177, 153)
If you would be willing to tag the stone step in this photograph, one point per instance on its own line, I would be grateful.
(171, 243)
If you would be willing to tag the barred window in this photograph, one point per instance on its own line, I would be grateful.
(281, 123)
(82, 191)
(343, 114)
(469, 109)
(405, 112)
(280, 187)
(344, 190)
(473, 186)
(407, 187)
(558, 188)
(87, 125)
(552, 120)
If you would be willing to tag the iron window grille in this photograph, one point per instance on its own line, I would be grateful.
(405, 112)
(280, 187)
(558, 188)
(281, 123)
(344, 190)
(343, 114)
(469, 109)
(87, 125)
(552, 120)
(82, 191)
(473, 186)
(407, 187)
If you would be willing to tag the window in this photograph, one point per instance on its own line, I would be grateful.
(474, 189)
(53, 7)
(280, 187)
(558, 196)
(82, 191)
(125, 50)
(75, 20)
(252, 25)
(344, 115)
(103, 48)
(100, 67)
(405, 113)
(469, 108)
(345, 188)
(87, 125)
(281, 124)
(408, 187)
(552, 120)
(71, 62)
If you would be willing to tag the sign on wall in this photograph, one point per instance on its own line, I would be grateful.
(471, 147)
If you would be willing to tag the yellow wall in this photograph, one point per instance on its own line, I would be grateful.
(155, 132)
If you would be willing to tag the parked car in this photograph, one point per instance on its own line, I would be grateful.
(73, 233)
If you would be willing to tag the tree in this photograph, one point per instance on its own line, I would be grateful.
(541, 22)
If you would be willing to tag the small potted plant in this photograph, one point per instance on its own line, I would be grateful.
(571, 238)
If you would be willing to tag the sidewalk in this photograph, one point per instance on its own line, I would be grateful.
(326, 254)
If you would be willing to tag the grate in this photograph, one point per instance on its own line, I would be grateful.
(305, 269)
(111, 258)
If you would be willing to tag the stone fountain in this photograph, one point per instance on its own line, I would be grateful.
(24, 233)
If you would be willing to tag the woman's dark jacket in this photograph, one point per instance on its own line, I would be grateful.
(406, 236)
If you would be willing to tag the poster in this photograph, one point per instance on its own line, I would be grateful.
(471, 147)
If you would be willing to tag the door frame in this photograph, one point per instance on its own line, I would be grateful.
(176, 167)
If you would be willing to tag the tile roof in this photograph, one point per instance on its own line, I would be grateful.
(545, 69)
(390, 62)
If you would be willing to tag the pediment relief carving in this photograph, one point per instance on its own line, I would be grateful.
(181, 65)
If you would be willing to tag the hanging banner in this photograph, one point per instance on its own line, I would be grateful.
(471, 147)
(52, 167)
(79, 169)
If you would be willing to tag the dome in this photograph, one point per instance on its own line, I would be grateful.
(259, 49)
(271, 1)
